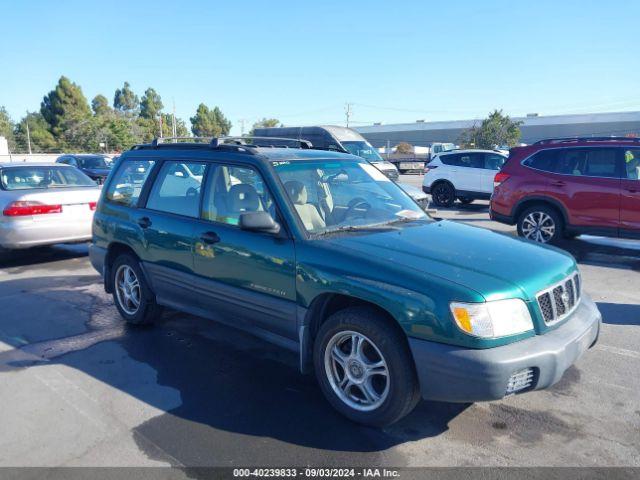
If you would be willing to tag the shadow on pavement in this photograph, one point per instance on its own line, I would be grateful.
(619, 313)
(239, 396)
(38, 255)
(604, 252)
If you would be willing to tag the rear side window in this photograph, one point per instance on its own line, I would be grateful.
(177, 189)
(544, 160)
(588, 162)
(127, 182)
(469, 160)
(26, 178)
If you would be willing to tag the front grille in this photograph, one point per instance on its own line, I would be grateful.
(560, 300)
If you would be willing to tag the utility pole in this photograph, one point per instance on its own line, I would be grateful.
(28, 136)
(348, 112)
(242, 120)
(174, 129)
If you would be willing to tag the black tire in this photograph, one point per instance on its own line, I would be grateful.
(443, 194)
(402, 393)
(545, 216)
(148, 311)
(465, 200)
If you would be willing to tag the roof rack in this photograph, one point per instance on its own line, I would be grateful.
(273, 142)
(243, 143)
(587, 139)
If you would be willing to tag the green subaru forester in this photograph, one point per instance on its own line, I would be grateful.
(321, 253)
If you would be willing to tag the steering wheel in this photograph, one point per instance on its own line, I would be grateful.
(355, 203)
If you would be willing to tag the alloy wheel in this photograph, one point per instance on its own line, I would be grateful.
(442, 194)
(127, 289)
(538, 226)
(356, 370)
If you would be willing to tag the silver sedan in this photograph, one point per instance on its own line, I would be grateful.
(45, 204)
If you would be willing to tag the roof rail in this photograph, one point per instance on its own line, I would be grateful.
(587, 139)
(248, 140)
(243, 143)
(160, 140)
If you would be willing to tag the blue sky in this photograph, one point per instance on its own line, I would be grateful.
(396, 61)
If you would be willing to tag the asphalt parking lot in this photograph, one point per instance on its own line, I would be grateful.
(78, 387)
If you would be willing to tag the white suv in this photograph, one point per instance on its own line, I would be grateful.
(463, 174)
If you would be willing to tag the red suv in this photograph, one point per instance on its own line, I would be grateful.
(570, 186)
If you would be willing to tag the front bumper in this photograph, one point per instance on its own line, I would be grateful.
(456, 374)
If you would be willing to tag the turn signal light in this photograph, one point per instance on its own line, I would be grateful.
(29, 208)
(500, 178)
(93, 205)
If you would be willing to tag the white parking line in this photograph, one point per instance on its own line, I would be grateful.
(619, 351)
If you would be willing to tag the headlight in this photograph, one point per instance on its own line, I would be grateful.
(492, 319)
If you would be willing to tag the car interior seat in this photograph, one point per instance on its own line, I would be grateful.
(308, 212)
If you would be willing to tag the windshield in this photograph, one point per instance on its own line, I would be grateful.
(329, 196)
(25, 178)
(362, 149)
(94, 162)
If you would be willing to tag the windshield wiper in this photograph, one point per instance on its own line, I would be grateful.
(361, 228)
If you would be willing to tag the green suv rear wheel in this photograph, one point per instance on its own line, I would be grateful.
(132, 295)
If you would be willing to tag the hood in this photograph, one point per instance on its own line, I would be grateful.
(493, 264)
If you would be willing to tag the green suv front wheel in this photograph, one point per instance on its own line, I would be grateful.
(364, 368)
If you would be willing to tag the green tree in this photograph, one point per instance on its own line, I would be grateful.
(265, 123)
(42, 140)
(125, 100)
(209, 123)
(65, 109)
(100, 105)
(150, 104)
(6, 128)
(494, 131)
(404, 148)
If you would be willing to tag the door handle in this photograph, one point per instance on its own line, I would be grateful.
(558, 183)
(210, 238)
(144, 222)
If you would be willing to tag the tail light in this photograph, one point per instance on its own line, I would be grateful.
(29, 208)
(93, 205)
(427, 168)
(500, 178)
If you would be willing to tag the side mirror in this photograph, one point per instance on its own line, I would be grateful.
(259, 222)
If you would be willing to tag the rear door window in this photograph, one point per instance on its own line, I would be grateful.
(493, 161)
(127, 182)
(589, 162)
(177, 189)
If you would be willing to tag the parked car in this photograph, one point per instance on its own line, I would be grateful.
(463, 174)
(571, 186)
(96, 167)
(332, 137)
(368, 291)
(45, 204)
